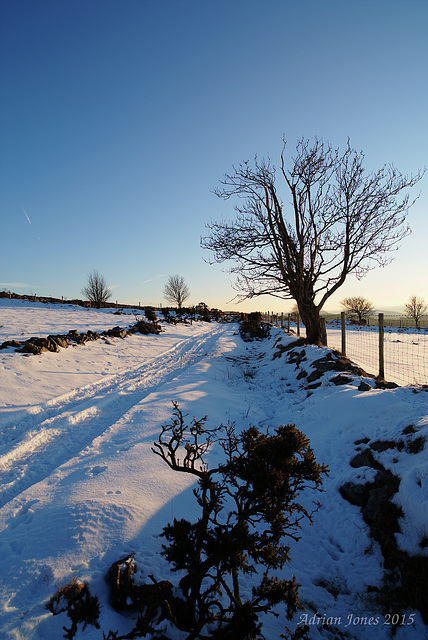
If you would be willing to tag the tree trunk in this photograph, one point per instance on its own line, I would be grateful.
(310, 316)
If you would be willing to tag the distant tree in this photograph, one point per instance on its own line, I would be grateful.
(331, 219)
(294, 313)
(415, 308)
(96, 290)
(358, 306)
(176, 290)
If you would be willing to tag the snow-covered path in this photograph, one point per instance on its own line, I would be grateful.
(32, 446)
(79, 483)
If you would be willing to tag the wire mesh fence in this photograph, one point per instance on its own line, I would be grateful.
(362, 346)
(396, 352)
(401, 322)
(406, 357)
(405, 351)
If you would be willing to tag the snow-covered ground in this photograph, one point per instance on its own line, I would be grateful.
(81, 488)
(21, 319)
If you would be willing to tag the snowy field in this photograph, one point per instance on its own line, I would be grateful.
(80, 487)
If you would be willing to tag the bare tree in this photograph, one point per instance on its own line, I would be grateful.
(415, 308)
(96, 291)
(336, 220)
(358, 306)
(176, 290)
(294, 313)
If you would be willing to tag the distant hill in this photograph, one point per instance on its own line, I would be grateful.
(388, 311)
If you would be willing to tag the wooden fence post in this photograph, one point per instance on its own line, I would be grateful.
(323, 332)
(282, 319)
(288, 323)
(343, 323)
(381, 350)
(298, 324)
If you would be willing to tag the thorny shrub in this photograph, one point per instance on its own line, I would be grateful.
(248, 509)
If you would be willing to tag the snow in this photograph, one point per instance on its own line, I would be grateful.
(81, 487)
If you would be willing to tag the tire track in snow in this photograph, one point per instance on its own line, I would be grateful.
(34, 446)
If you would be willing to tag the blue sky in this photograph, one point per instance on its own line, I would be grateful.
(119, 117)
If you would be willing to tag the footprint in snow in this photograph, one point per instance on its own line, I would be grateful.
(97, 470)
(25, 515)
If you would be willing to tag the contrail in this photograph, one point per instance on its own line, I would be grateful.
(162, 275)
(29, 221)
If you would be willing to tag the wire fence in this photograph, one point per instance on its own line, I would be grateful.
(406, 357)
(396, 353)
(405, 352)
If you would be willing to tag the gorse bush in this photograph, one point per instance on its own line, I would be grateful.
(248, 509)
(145, 328)
(150, 314)
(252, 327)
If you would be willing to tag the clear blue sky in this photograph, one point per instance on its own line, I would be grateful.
(119, 117)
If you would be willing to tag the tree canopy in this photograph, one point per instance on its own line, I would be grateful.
(415, 308)
(176, 290)
(358, 306)
(96, 289)
(328, 218)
